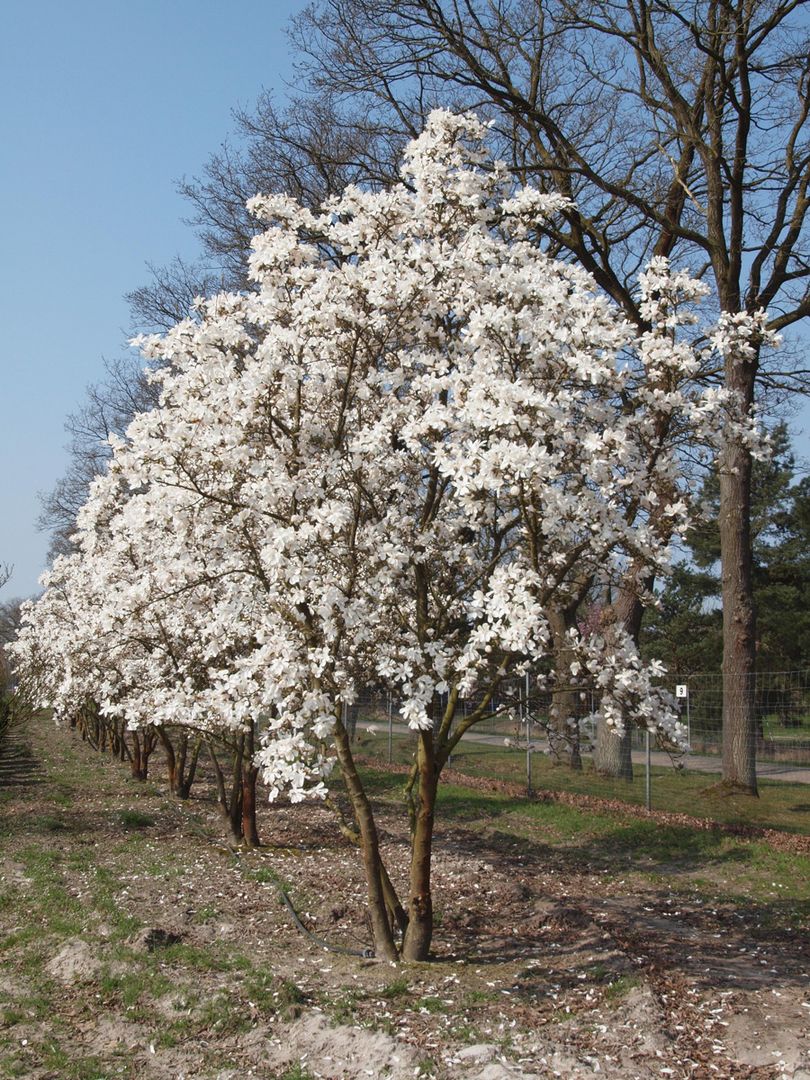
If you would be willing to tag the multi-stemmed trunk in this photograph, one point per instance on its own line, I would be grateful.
(181, 766)
(186, 766)
(379, 910)
(385, 911)
(237, 800)
(143, 745)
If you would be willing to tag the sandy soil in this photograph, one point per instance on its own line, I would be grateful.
(548, 963)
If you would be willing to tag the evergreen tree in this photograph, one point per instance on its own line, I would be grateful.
(686, 630)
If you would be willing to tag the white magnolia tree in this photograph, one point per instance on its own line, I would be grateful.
(386, 465)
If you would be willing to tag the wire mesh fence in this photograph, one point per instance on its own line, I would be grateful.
(781, 716)
(520, 739)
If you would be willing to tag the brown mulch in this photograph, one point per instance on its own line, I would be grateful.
(552, 961)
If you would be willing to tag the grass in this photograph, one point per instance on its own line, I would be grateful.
(781, 805)
(297, 1072)
(621, 987)
(715, 863)
(69, 883)
(210, 958)
(261, 989)
(289, 997)
(343, 1008)
(773, 727)
(207, 913)
(61, 1064)
(223, 1015)
(130, 987)
(397, 988)
(134, 819)
(430, 1005)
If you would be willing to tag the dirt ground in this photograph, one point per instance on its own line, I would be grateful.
(135, 942)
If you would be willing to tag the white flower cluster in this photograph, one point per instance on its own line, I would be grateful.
(609, 663)
(383, 466)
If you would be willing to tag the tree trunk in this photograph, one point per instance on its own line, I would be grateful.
(739, 628)
(396, 912)
(419, 933)
(613, 753)
(219, 776)
(563, 728)
(138, 765)
(180, 763)
(181, 768)
(187, 768)
(235, 801)
(397, 915)
(171, 757)
(250, 832)
(380, 925)
(230, 805)
(150, 741)
(123, 746)
(125, 754)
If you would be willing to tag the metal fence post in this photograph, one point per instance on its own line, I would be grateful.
(390, 729)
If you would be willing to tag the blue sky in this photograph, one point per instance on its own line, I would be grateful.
(105, 105)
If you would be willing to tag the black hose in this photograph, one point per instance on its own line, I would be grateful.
(366, 954)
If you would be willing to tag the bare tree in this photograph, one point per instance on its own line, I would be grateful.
(167, 298)
(9, 619)
(107, 410)
(9, 624)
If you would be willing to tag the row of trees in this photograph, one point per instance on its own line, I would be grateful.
(5, 666)
(400, 459)
(671, 130)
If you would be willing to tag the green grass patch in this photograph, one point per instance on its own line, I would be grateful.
(135, 819)
(621, 987)
(397, 988)
(711, 861)
(261, 990)
(224, 1015)
(131, 987)
(197, 958)
(49, 823)
(343, 1009)
(296, 1072)
(289, 997)
(430, 1005)
(780, 805)
(59, 1063)
(206, 914)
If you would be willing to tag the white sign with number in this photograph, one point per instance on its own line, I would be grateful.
(682, 690)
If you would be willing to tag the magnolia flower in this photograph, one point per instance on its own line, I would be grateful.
(387, 464)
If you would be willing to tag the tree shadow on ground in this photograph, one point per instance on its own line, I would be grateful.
(18, 765)
(620, 930)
